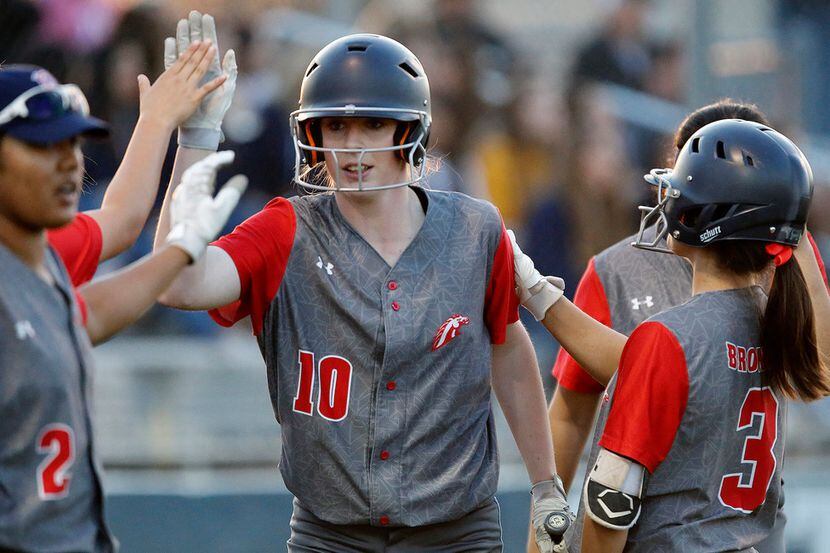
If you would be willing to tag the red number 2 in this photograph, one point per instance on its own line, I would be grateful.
(746, 492)
(335, 377)
(58, 441)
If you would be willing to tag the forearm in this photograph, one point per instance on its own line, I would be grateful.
(132, 191)
(185, 157)
(571, 417)
(117, 301)
(596, 347)
(176, 294)
(519, 390)
(598, 539)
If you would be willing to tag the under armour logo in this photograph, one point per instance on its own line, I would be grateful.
(24, 330)
(328, 266)
(636, 303)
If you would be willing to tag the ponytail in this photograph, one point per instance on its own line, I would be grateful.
(788, 333)
(788, 338)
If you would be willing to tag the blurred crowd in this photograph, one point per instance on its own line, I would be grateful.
(561, 160)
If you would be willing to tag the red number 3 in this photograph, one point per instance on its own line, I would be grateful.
(58, 441)
(746, 492)
(335, 376)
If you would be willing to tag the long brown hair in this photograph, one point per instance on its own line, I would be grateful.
(791, 362)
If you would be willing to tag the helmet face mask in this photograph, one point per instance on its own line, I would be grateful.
(413, 152)
(362, 75)
(733, 180)
(655, 216)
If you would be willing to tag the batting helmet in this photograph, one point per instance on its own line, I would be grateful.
(363, 75)
(733, 180)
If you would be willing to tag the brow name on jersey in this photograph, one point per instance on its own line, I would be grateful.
(744, 359)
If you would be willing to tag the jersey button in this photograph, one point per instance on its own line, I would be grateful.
(392, 285)
(384, 520)
(384, 455)
(395, 306)
(391, 385)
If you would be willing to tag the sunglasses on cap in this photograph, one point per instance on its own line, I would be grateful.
(45, 102)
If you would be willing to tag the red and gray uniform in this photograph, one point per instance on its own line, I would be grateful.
(378, 375)
(79, 246)
(690, 405)
(621, 288)
(50, 491)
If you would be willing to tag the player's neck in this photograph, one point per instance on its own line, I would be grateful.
(708, 276)
(28, 245)
(387, 219)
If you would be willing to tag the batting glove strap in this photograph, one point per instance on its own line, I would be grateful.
(542, 295)
(200, 138)
(188, 240)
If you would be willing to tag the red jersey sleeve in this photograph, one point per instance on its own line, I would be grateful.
(79, 246)
(650, 397)
(501, 304)
(259, 248)
(819, 259)
(590, 298)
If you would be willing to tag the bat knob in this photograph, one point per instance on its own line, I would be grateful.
(556, 524)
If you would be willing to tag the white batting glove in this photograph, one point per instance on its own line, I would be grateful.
(196, 216)
(537, 293)
(549, 505)
(203, 129)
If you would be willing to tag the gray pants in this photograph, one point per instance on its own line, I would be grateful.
(478, 531)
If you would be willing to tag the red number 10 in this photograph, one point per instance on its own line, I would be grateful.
(335, 382)
(747, 496)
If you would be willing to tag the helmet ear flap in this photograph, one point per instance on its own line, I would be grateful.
(405, 131)
(311, 135)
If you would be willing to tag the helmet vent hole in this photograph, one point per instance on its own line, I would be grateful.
(696, 145)
(408, 68)
(310, 69)
(690, 216)
(749, 161)
(723, 210)
(357, 47)
(720, 150)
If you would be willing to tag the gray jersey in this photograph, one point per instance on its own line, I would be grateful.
(641, 283)
(50, 493)
(718, 487)
(380, 376)
(622, 287)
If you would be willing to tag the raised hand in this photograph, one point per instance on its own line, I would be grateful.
(202, 129)
(196, 215)
(180, 90)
